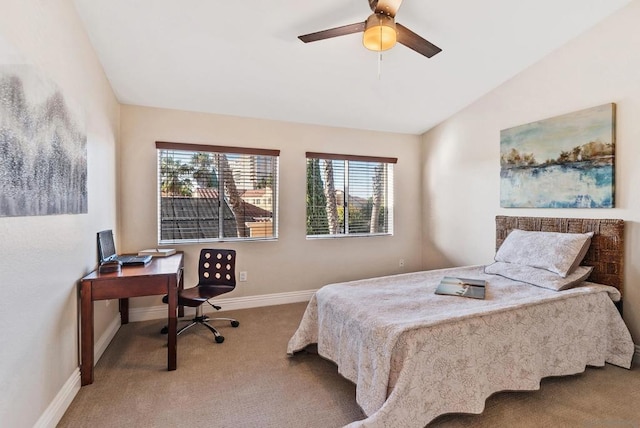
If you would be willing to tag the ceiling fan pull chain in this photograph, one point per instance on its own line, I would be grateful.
(380, 51)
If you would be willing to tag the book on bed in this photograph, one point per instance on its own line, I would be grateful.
(466, 287)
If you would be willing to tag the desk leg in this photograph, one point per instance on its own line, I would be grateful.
(86, 335)
(172, 292)
(124, 311)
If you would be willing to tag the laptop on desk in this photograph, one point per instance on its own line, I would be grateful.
(107, 252)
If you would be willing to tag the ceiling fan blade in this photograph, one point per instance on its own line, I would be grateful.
(387, 7)
(333, 32)
(415, 42)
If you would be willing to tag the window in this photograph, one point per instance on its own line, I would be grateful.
(349, 195)
(206, 193)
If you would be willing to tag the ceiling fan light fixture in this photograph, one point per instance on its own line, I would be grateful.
(379, 32)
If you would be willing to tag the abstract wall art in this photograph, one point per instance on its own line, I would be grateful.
(566, 161)
(43, 146)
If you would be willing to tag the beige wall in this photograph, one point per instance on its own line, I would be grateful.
(42, 258)
(292, 263)
(460, 162)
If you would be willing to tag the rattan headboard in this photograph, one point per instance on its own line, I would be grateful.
(606, 253)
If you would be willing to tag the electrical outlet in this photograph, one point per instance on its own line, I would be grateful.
(243, 276)
(107, 303)
(401, 263)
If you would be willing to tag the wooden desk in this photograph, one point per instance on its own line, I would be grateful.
(163, 275)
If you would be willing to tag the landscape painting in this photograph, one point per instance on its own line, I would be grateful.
(564, 162)
(43, 153)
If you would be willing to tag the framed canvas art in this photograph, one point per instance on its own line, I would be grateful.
(566, 161)
(43, 146)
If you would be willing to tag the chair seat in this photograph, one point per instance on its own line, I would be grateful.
(196, 296)
(200, 294)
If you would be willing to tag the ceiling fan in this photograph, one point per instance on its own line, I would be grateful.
(381, 32)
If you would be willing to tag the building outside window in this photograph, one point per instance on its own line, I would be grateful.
(208, 193)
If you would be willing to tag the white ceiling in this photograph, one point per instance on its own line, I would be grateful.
(243, 58)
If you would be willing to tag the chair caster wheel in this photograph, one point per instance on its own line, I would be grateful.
(219, 339)
(235, 323)
(164, 330)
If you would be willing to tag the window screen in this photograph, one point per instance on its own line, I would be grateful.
(214, 193)
(349, 195)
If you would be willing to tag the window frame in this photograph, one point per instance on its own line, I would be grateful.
(226, 150)
(389, 192)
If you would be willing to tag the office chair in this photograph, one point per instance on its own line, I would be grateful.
(216, 273)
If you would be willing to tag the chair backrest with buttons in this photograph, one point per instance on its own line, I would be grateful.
(217, 267)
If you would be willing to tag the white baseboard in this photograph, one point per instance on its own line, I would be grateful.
(62, 401)
(105, 339)
(60, 404)
(233, 303)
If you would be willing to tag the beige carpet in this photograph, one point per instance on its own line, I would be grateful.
(248, 381)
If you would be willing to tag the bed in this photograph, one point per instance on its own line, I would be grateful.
(415, 355)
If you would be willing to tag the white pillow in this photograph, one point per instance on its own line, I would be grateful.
(560, 253)
(539, 277)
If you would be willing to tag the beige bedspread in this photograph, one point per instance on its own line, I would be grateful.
(415, 355)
